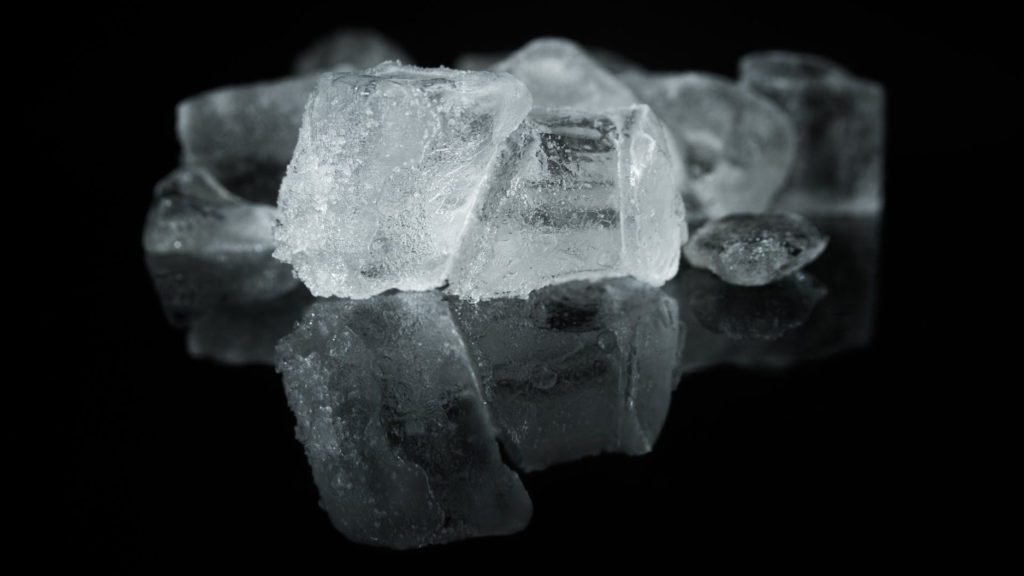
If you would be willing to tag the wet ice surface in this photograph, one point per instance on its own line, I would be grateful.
(539, 215)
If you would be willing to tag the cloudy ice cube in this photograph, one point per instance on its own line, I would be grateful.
(560, 74)
(389, 411)
(739, 146)
(388, 165)
(244, 135)
(204, 247)
(754, 250)
(571, 196)
(352, 48)
(609, 60)
(576, 369)
(840, 125)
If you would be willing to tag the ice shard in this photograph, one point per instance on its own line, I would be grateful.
(244, 135)
(351, 49)
(576, 369)
(388, 166)
(389, 411)
(840, 125)
(754, 250)
(205, 247)
(560, 74)
(739, 146)
(573, 196)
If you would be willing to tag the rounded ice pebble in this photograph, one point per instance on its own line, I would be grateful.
(755, 250)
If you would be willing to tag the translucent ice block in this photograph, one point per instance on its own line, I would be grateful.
(389, 164)
(840, 124)
(571, 196)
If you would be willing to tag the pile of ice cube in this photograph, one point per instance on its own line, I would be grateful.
(508, 180)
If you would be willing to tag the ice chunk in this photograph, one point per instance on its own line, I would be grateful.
(560, 74)
(389, 164)
(754, 250)
(577, 369)
(752, 313)
(573, 196)
(247, 333)
(205, 247)
(394, 427)
(244, 135)
(354, 48)
(840, 124)
(739, 146)
(609, 60)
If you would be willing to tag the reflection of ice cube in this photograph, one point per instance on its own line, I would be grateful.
(840, 124)
(574, 195)
(395, 430)
(389, 163)
(738, 145)
(577, 369)
(206, 247)
(245, 135)
(560, 74)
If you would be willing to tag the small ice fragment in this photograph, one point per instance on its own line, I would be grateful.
(577, 369)
(389, 411)
(840, 125)
(573, 196)
(354, 48)
(244, 135)
(752, 313)
(739, 146)
(204, 246)
(388, 166)
(560, 74)
(754, 250)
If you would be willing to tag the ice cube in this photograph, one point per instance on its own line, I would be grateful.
(204, 247)
(351, 48)
(389, 163)
(840, 125)
(560, 74)
(244, 135)
(754, 250)
(609, 60)
(576, 369)
(389, 411)
(739, 146)
(575, 195)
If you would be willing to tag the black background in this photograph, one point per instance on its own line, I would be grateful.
(177, 462)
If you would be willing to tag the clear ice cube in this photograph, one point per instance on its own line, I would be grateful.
(388, 166)
(755, 249)
(389, 411)
(244, 135)
(739, 146)
(840, 125)
(576, 369)
(204, 247)
(575, 195)
(560, 74)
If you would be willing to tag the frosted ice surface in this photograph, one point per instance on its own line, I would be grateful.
(840, 125)
(246, 333)
(560, 74)
(395, 430)
(752, 313)
(244, 135)
(754, 250)
(575, 195)
(576, 369)
(388, 165)
(205, 246)
(739, 146)
(354, 48)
